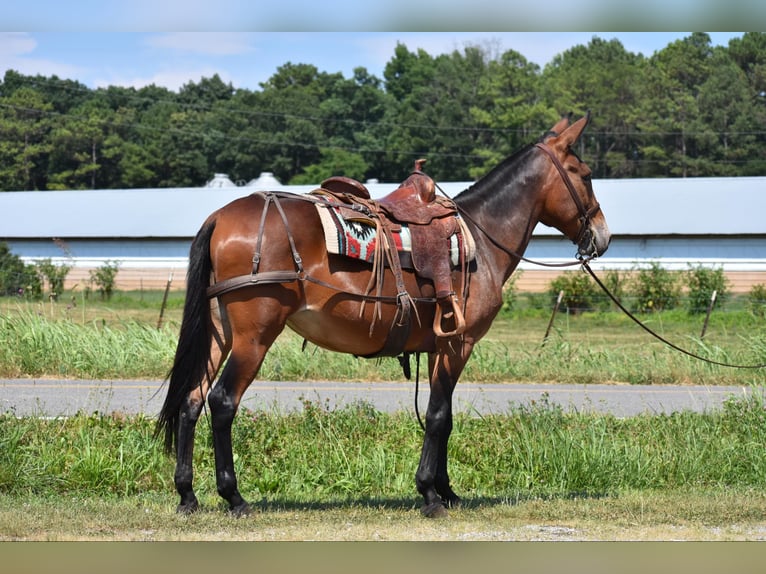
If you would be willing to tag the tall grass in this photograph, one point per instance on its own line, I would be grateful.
(357, 453)
(32, 344)
(124, 342)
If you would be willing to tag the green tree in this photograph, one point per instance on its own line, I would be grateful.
(670, 113)
(104, 278)
(77, 143)
(727, 138)
(510, 112)
(749, 53)
(580, 293)
(603, 77)
(54, 275)
(24, 143)
(334, 162)
(428, 118)
(288, 128)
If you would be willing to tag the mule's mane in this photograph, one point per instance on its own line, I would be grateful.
(485, 194)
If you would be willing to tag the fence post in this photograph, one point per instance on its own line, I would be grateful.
(709, 310)
(553, 316)
(164, 300)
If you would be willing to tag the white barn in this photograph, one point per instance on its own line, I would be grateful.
(717, 222)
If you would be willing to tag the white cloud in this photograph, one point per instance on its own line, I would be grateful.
(13, 44)
(210, 43)
(15, 54)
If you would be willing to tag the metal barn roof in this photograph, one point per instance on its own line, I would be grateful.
(691, 206)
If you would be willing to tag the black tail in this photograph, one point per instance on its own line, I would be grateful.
(193, 350)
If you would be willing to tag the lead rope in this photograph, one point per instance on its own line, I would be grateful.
(655, 335)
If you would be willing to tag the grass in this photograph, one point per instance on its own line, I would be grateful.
(121, 339)
(536, 472)
(685, 514)
(533, 473)
(356, 453)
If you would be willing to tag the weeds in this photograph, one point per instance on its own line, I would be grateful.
(121, 341)
(356, 452)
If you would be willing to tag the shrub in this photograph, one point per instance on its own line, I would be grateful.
(756, 300)
(702, 281)
(580, 293)
(16, 278)
(655, 289)
(54, 275)
(511, 292)
(104, 277)
(615, 283)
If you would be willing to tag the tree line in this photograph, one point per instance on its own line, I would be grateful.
(690, 110)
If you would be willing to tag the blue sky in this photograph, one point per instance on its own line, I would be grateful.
(171, 58)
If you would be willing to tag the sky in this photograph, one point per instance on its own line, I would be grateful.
(99, 58)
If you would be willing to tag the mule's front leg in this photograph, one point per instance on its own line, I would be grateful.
(223, 407)
(431, 478)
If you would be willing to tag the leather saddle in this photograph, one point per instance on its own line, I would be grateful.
(431, 220)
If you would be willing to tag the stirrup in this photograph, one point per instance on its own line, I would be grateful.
(456, 314)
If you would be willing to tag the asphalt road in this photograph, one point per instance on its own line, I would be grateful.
(54, 398)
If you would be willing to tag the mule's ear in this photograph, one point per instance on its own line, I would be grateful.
(562, 124)
(570, 135)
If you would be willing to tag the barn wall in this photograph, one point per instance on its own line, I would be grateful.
(529, 280)
(148, 263)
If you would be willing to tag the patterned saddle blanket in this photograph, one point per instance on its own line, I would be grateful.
(357, 238)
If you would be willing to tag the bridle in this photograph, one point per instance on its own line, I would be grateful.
(586, 215)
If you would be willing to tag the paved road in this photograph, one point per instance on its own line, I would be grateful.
(51, 398)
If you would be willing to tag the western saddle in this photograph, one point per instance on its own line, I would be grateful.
(431, 220)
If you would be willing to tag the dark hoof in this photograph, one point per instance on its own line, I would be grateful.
(434, 510)
(241, 510)
(188, 507)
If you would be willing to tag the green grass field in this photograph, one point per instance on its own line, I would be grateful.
(121, 339)
(534, 472)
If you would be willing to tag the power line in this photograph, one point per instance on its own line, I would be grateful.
(367, 123)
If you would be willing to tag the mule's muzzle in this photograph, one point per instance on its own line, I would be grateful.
(593, 241)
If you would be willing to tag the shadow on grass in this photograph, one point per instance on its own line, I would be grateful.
(409, 504)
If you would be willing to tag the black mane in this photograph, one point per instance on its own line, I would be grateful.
(484, 193)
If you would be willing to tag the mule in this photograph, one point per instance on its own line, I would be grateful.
(324, 300)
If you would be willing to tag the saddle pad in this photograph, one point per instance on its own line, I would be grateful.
(356, 239)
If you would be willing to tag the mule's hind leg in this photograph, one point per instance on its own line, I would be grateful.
(184, 474)
(251, 341)
(190, 410)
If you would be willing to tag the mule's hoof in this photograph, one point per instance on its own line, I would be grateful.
(434, 510)
(241, 510)
(188, 507)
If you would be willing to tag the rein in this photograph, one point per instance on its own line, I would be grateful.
(585, 217)
(657, 336)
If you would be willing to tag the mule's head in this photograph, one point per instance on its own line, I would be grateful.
(569, 202)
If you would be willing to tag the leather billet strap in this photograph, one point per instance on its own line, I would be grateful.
(260, 278)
